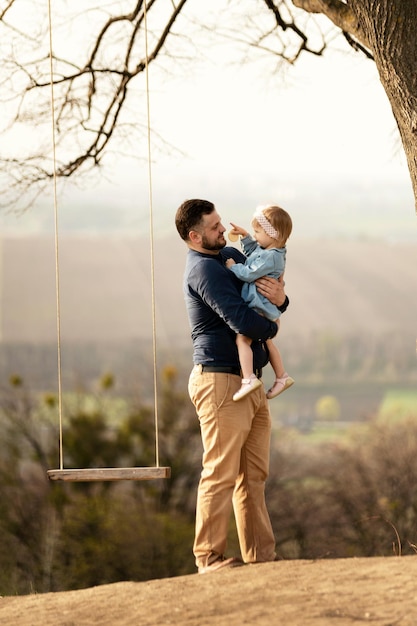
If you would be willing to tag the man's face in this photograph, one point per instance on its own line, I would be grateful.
(212, 232)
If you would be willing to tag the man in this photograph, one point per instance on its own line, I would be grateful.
(235, 435)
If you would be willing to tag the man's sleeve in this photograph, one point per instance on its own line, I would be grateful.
(284, 305)
(218, 290)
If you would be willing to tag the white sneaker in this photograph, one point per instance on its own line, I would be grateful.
(248, 385)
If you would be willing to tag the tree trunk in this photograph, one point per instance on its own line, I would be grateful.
(390, 29)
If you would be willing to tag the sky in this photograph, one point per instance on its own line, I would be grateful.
(319, 139)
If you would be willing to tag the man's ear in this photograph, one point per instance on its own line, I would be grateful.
(194, 237)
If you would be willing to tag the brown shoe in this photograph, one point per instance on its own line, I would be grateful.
(277, 558)
(220, 564)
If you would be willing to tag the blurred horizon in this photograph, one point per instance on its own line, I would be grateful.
(373, 209)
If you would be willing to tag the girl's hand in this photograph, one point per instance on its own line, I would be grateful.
(230, 262)
(238, 230)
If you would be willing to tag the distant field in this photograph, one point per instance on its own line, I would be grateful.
(358, 404)
(338, 285)
(398, 404)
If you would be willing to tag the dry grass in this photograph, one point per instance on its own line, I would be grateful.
(343, 592)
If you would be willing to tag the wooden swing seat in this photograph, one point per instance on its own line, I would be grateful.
(109, 474)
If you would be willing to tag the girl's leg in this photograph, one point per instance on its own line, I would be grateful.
(275, 359)
(282, 380)
(245, 355)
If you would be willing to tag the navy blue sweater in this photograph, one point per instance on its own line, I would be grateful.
(216, 311)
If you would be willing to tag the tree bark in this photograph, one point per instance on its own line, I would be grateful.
(389, 28)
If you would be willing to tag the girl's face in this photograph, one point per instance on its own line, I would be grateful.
(264, 240)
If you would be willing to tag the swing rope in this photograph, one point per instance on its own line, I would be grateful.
(105, 473)
(55, 201)
(151, 236)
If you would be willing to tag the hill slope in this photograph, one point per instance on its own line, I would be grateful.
(341, 592)
(105, 288)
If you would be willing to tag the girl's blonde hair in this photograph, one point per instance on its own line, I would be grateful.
(279, 219)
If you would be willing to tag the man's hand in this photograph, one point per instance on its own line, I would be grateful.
(272, 288)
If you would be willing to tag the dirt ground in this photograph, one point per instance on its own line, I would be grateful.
(342, 592)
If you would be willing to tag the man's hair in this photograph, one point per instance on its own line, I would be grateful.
(190, 214)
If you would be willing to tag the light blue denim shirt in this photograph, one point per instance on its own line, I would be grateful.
(259, 262)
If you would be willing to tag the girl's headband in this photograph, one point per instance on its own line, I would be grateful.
(265, 223)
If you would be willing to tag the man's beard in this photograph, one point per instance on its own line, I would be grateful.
(212, 246)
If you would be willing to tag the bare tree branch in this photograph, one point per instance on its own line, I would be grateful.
(291, 25)
(89, 99)
(6, 8)
(358, 47)
(124, 75)
(340, 13)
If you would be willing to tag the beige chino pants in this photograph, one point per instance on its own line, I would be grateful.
(236, 445)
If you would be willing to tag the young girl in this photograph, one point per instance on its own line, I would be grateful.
(265, 257)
